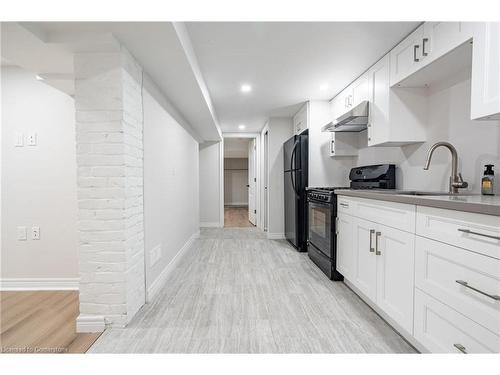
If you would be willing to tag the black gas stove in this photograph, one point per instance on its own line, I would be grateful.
(322, 212)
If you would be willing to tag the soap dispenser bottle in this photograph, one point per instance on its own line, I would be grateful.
(488, 180)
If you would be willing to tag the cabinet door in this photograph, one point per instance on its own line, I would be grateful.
(345, 250)
(406, 56)
(395, 274)
(364, 275)
(440, 38)
(485, 81)
(360, 90)
(379, 125)
(337, 107)
(300, 120)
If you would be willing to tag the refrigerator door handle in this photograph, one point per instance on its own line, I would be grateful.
(292, 170)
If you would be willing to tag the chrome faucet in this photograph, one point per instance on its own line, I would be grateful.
(456, 180)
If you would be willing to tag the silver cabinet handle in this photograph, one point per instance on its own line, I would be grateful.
(377, 251)
(461, 348)
(337, 225)
(415, 58)
(478, 234)
(349, 100)
(346, 205)
(425, 40)
(372, 231)
(466, 284)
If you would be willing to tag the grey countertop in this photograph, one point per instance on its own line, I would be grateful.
(481, 204)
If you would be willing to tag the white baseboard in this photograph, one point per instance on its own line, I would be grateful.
(15, 284)
(160, 281)
(208, 224)
(236, 204)
(90, 323)
(275, 236)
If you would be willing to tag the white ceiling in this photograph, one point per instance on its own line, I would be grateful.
(200, 67)
(236, 147)
(284, 62)
(47, 48)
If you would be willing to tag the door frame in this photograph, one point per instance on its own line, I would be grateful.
(258, 174)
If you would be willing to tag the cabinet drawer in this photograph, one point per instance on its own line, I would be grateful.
(395, 215)
(440, 329)
(475, 232)
(345, 205)
(439, 266)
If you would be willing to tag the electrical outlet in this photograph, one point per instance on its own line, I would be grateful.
(35, 233)
(31, 139)
(154, 255)
(21, 234)
(19, 140)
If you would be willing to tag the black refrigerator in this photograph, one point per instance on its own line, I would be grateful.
(295, 152)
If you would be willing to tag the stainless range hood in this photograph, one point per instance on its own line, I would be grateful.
(355, 120)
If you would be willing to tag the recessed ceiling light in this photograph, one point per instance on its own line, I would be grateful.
(38, 78)
(246, 88)
(323, 87)
(241, 126)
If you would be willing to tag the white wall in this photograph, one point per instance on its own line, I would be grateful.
(235, 181)
(38, 182)
(280, 129)
(171, 209)
(323, 169)
(477, 142)
(210, 184)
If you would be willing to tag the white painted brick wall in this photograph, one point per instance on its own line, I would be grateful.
(109, 126)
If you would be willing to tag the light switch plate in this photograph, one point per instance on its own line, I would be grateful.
(21, 234)
(19, 140)
(31, 139)
(35, 233)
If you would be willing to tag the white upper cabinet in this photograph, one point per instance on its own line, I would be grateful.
(441, 37)
(405, 57)
(360, 90)
(485, 85)
(301, 119)
(429, 42)
(397, 116)
(342, 102)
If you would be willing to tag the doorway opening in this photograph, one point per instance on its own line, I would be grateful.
(240, 182)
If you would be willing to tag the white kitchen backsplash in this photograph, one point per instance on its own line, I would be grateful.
(477, 143)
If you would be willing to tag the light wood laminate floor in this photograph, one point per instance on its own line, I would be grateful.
(238, 292)
(236, 217)
(41, 322)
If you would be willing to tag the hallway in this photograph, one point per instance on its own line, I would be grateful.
(238, 292)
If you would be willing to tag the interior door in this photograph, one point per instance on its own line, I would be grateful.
(252, 182)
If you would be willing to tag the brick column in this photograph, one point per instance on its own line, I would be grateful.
(109, 125)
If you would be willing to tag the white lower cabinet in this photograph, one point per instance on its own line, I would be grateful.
(345, 255)
(434, 273)
(380, 265)
(395, 267)
(365, 262)
(440, 329)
